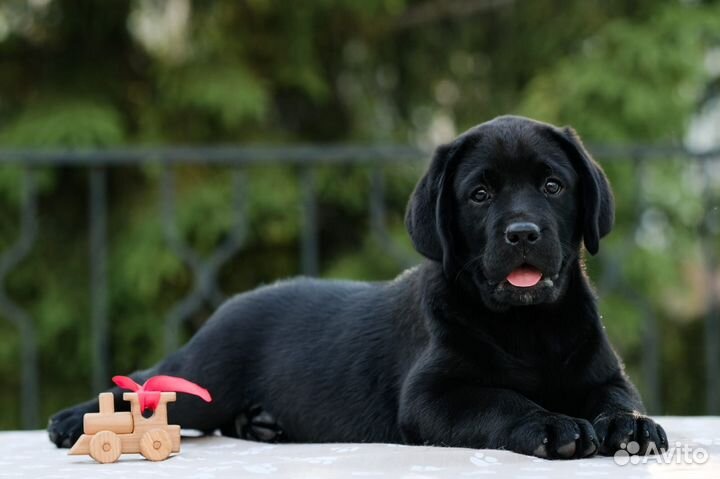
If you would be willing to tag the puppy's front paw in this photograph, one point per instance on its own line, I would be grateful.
(65, 427)
(553, 436)
(618, 431)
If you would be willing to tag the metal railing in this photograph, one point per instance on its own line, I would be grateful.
(205, 269)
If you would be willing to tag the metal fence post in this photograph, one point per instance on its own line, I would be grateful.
(204, 270)
(30, 389)
(309, 234)
(712, 318)
(98, 278)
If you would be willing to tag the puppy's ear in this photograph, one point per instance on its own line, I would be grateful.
(597, 202)
(429, 217)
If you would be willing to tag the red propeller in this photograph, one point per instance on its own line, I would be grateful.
(149, 392)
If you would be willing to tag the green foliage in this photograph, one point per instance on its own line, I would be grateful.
(634, 80)
(65, 122)
(228, 94)
(79, 74)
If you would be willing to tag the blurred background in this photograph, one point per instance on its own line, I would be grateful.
(157, 156)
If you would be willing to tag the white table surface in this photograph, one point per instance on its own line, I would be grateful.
(30, 454)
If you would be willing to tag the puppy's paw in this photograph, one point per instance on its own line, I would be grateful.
(619, 431)
(65, 427)
(553, 436)
(254, 424)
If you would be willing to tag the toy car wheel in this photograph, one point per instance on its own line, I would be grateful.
(105, 447)
(155, 445)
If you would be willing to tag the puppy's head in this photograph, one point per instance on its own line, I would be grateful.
(509, 203)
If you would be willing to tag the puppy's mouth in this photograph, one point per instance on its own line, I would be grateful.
(524, 276)
(526, 285)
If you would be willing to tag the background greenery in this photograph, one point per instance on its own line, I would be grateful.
(98, 73)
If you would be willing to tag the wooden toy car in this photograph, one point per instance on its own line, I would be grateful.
(108, 434)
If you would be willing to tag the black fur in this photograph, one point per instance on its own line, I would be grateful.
(448, 353)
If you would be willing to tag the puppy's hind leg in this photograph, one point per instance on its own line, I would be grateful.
(254, 424)
(188, 411)
(211, 359)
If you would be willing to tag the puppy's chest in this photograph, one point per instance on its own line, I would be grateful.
(532, 364)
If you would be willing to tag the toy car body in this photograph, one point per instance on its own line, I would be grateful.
(108, 434)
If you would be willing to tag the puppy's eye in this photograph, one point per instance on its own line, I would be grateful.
(480, 195)
(552, 187)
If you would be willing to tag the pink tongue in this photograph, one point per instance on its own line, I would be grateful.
(524, 277)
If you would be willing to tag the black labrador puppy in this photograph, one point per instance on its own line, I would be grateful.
(494, 342)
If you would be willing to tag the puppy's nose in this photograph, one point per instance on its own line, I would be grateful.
(518, 233)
